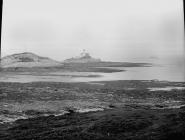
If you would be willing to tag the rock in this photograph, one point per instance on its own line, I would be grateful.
(83, 58)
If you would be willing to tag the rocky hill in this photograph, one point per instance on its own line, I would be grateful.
(83, 58)
(28, 60)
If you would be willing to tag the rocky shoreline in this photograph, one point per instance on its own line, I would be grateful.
(128, 109)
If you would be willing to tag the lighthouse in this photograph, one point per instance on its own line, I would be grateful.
(84, 54)
(83, 58)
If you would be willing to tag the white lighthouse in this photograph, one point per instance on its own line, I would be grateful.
(83, 58)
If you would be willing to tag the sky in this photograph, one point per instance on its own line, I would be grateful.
(113, 30)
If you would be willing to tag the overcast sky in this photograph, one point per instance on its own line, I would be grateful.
(117, 30)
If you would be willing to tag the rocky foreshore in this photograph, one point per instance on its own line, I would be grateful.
(111, 110)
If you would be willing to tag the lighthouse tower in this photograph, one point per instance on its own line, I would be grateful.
(84, 54)
(83, 58)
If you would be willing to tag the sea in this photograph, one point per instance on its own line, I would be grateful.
(161, 72)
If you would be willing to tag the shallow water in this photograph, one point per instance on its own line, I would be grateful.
(166, 88)
(157, 72)
(162, 73)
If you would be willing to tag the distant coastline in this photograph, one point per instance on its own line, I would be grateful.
(85, 63)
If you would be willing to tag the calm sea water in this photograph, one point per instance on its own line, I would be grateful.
(157, 72)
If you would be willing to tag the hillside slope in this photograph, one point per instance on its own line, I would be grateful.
(28, 60)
